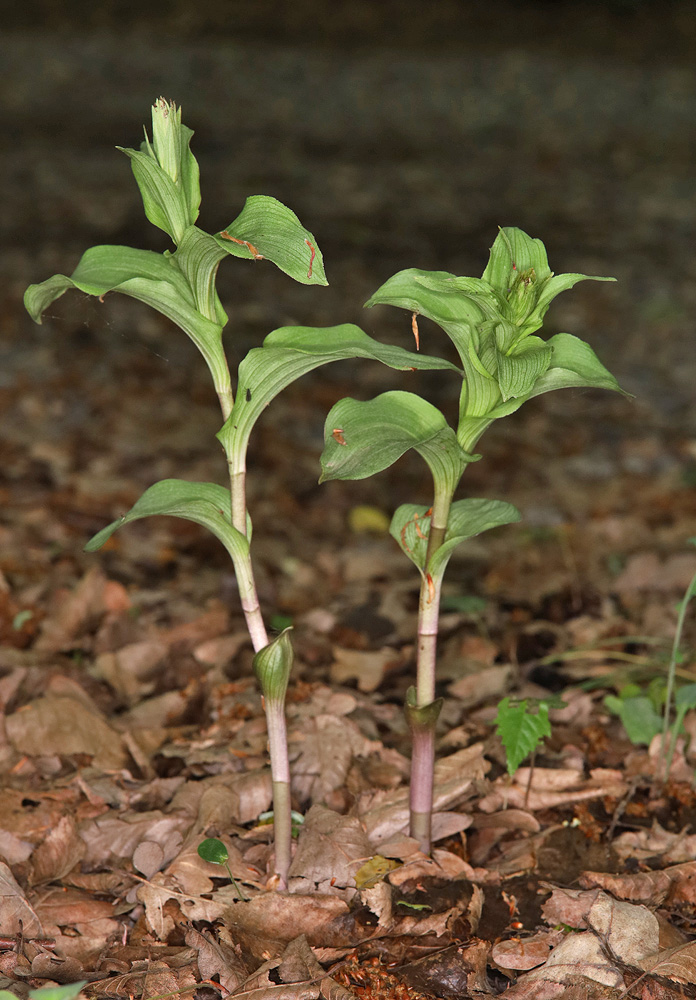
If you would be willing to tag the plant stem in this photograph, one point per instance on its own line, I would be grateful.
(423, 749)
(280, 775)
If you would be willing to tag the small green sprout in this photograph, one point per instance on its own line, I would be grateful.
(214, 851)
(522, 727)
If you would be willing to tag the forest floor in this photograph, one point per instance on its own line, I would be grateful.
(131, 725)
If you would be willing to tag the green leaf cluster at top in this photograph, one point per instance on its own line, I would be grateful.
(181, 285)
(492, 321)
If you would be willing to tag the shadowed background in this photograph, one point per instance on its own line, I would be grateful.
(403, 135)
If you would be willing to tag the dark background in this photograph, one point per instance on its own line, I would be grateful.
(403, 134)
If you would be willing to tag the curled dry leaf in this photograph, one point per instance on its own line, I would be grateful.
(657, 842)
(578, 957)
(522, 954)
(368, 668)
(330, 850)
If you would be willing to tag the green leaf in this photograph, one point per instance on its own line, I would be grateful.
(167, 172)
(68, 992)
(513, 254)
(206, 504)
(411, 524)
(519, 371)
(213, 850)
(152, 278)
(267, 228)
(637, 715)
(520, 731)
(458, 305)
(291, 352)
(685, 698)
(272, 666)
(574, 365)
(362, 438)
(198, 256)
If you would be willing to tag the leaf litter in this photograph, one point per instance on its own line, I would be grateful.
(132, 730)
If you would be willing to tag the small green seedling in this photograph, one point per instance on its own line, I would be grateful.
(181, 285)
(671, 674)
(214, 851)
(492, 322)
(522, 726)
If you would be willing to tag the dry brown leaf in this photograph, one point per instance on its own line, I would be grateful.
(56, 725)
(148, 858)
(221, 957)
(111, 836)
(130, 669)
(677, 964)
(386, 814)
(579, 956)
(324, 749)
(12, 849)
(277, 916)
(645, 887)
(62, 849)
(16, 914)
(631, 932)
(569, 906)
(656, 842)
(368, 668)
(92, 598)
(478, 687)
(330, 850)
(451, 972)
(522, 954)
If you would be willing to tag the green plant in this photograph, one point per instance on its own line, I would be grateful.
(181, 285)
(645, 712)
(522, 725)
(215, 852)
(491, 321)
(69, 992)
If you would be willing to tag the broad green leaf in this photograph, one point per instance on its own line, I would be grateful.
(267, 228)
(152, 278)
(554, 286)
(213, 850)
(411, 524)
(638, 716)
(291, 352)
(205, 503)
(362, 438)
(518, 371)
(458, 305)
(521, 732)
(574, 364)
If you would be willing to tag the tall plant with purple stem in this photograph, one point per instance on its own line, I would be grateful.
(492, 322)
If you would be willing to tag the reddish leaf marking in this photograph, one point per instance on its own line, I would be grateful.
(414, 522)
(311, 259)
(337, 435)
(431, 587)
(244, 243)
(414, 327)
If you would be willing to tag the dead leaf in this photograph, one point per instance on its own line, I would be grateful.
(330, 850)
(65, 726)
(373, 871)
(677, 964)
(16, 915)
(368, 668)
(278, 916)
(60, 851)
(129, 669)
(221, 957)
(475, 688)
(578, 957)
(522, 954)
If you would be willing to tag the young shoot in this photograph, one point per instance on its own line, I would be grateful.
(492, 322)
